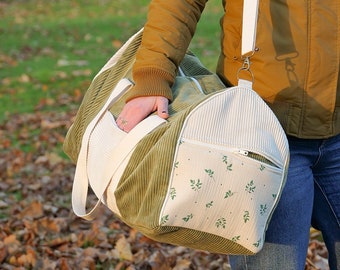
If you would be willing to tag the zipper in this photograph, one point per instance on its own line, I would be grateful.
(237, 151)
(257, 157)
(243, 152)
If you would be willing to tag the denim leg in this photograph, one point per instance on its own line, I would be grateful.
(287, 236)
(288, 232)
(326, 212)
(324, 220)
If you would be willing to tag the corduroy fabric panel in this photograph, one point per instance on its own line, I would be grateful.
(96, 96)
(192, 66)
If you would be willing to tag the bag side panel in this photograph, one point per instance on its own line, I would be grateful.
(216, 188)
(96, 96)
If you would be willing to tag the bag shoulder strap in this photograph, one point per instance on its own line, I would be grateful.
(249, 26)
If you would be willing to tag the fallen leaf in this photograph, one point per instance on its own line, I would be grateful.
(182, 264)
(85, 72)
(32, 211)
(24, 78)
(3, 252)
(12, 244)
(158, 261)
(79, 63)
(28, 260)
(116, 43)
(124, 249)
(63, 265)
(91, 252)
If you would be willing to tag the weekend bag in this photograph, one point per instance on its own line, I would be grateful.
(208, 178)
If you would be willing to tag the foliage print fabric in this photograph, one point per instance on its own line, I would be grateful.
(221, 191)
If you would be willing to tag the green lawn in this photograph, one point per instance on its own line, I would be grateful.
(50, 50)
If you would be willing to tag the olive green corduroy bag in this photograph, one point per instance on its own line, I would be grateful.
(208, 178)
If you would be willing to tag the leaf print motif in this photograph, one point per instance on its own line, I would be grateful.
(250, 187)
(209, 204)
(263, 209)
(229, 165)
(221, 222)
(228, 194)
(188, 217)
(262, 167)
(210, 173)
(257, 244)
(236, 238)
(164, 219)
(246, 216)
(274, 196)
(176, 164)
(173, 193)
(196, 185)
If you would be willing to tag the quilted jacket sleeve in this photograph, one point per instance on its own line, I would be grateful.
(168, 31)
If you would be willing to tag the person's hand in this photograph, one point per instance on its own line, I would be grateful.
(139, 108)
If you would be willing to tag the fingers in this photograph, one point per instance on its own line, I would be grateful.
(133, 112)
(162, 107)
(139, 108)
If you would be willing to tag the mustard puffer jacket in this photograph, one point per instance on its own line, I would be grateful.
(296, 63)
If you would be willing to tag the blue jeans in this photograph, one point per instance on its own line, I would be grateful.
(311, 197)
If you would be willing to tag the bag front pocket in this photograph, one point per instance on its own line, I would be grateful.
(221, 191)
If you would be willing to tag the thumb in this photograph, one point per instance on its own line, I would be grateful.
(162, 107)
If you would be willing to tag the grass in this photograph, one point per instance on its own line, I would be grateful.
(52, 49)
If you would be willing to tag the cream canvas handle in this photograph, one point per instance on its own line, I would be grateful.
(123, 149)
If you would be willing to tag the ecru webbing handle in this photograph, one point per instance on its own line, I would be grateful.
(113, 161)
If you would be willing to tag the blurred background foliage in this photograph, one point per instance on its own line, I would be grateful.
(50, 50)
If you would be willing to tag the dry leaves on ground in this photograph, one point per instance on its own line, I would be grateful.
(39, 231)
